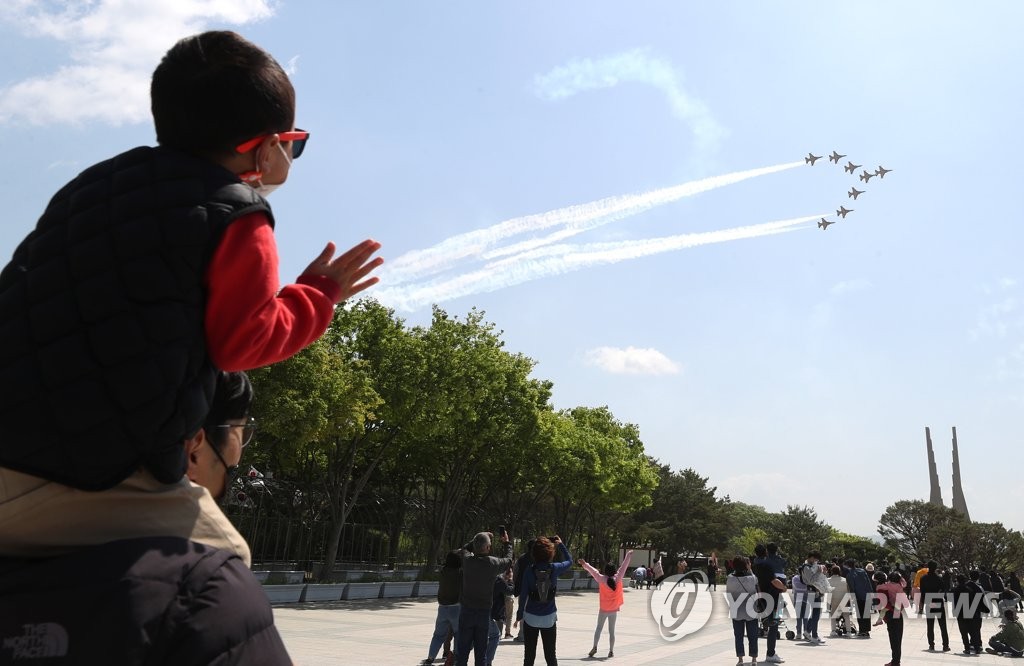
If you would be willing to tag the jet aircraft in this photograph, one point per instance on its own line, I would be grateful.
(843, 211)
(854, 193)
(823, 225)
(865, 176)
(812, 158)
(882, 171)
(835, 157)
(851, 167)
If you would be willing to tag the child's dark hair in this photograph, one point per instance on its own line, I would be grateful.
(215, 90)
(609, 571)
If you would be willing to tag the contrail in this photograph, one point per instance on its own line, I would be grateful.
(577, 218)
(558, 259)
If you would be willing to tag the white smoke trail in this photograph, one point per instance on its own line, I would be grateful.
(577, 218)
(558, 259)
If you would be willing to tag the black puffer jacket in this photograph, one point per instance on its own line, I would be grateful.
(157, 600)
(101, 319)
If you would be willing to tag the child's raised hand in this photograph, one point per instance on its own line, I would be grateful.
(349, 269)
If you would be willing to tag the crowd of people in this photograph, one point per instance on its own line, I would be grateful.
(852, 594)
(476, 592)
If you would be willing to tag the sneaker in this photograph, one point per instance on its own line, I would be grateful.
(753, 661)
(818, 641)
(968, 651)
(799, 636)
(990, 651)
(774, 659)
(945, 648)
(740, 662)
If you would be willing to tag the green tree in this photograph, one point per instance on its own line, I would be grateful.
(334, 410)
(685, 517)
(907, 525)
(862, 549)
(798, 530)
(482, 405)
(599, 466)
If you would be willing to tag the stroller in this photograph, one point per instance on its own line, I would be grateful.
(775, 619)
(780, 622)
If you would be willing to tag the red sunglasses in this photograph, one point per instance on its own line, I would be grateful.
(298, 139)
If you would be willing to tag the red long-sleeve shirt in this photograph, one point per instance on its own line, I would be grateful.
(249, 322)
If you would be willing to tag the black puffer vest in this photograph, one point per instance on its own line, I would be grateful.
(103, 361)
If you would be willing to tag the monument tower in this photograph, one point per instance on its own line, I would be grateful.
(933, 472)
(959, 503)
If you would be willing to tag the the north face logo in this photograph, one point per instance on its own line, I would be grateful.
(38, 641)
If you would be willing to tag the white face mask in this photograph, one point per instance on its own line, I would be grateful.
(264, 189)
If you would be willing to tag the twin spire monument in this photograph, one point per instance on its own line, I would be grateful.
(959, 503)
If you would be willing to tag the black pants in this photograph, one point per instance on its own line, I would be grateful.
(940, 616)
(863, 612)
(772, 637)
(970, 632)
(547, 637)
(895, 628)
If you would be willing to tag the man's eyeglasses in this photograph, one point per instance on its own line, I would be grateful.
(248, 430)
(298, 139)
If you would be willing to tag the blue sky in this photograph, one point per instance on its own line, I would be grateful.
(532, 160)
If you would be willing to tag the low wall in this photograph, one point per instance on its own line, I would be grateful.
(296, 593)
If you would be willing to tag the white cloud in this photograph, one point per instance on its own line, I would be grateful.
(583, 74)
(849, 286)
(631, 361)
(1002, 316)
(113, 46)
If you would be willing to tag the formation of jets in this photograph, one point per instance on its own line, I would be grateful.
(851, 169)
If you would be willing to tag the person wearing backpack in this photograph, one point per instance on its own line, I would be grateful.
(609, 585)
(524, 561)
(537, 609)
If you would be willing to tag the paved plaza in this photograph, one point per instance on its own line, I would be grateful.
(397, 632)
